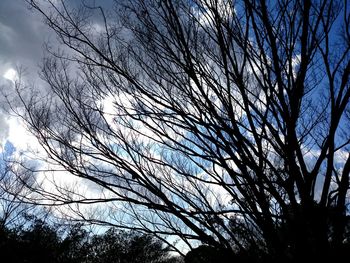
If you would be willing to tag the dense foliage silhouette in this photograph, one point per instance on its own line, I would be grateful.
(41, 242)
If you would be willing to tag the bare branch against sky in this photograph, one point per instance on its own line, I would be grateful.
(217, 122)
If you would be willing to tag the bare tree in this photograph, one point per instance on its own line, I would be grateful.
(14, 182)
(224, 122)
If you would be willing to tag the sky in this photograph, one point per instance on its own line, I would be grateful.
(22, 34)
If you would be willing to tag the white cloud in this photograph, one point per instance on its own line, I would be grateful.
(11, 75)
(295, 64)
(4, 128)
(19, 136)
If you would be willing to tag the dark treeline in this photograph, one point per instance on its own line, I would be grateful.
(39, 241)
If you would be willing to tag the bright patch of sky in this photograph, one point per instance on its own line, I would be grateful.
(11, 74)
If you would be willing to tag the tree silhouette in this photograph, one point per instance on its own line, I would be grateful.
(128, 247)
(14, 182)
(35, 243)
(43, 242)
(207, 254)
(195, 118)
(75, 247)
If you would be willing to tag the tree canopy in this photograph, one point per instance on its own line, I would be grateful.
(39, 241)
(216, 122)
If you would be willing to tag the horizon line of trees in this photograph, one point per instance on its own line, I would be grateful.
(40, 241)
